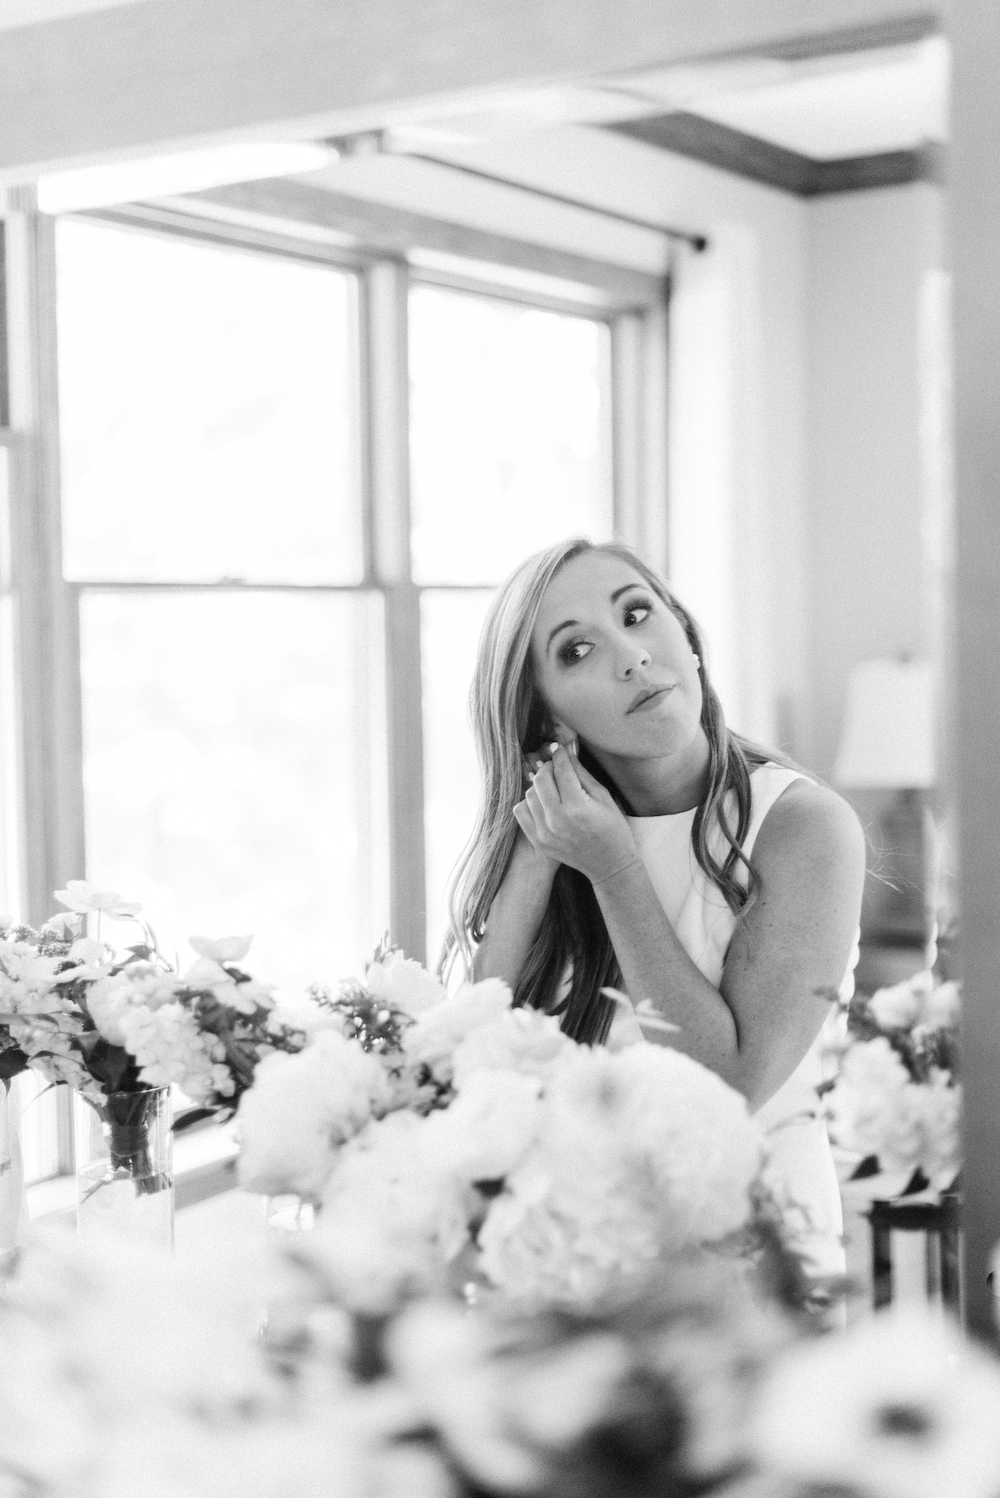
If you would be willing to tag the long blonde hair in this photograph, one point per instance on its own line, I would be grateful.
(510, 720)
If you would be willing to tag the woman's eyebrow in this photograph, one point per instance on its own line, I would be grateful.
(571, 623)
(566, 624)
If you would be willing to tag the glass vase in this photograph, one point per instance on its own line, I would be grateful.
(291, 1213)
(13, 1200)
(124, 1165)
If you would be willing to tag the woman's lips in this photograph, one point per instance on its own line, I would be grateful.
(650, 700)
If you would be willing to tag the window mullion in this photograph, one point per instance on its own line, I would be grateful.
(638, 402)
(387, 365)
(48, 772)
(46, 607)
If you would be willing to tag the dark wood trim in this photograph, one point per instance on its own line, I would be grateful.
(896, 32)
(687, 134)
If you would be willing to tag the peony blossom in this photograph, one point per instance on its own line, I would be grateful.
(432, 1040)
(301, 1109)
(637, 1153)
(902, 1006)
(395, 1214)
(520, 1040)
(403, 984)
(488, 1128)
(876, 1109)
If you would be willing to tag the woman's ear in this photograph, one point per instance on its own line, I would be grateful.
(566, 737)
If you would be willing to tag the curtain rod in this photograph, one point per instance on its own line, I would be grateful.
(366, 145)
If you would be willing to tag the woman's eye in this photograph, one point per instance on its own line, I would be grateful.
(576, 650)
(637, 613)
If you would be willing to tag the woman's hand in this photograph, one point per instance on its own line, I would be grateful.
(568, 817)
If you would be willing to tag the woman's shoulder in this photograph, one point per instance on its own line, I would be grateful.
(812, 818)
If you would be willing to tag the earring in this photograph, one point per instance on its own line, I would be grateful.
(697, 660)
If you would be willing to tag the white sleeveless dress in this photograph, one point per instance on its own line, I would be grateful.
(801, 1165)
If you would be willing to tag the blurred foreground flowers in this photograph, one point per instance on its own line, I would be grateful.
(125, 1372)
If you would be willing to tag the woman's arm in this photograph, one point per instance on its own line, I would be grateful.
(796, 937)
(515, 915)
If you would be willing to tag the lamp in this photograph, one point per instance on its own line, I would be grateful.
(887, 743)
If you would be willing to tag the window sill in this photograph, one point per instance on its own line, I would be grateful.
(204, 1165)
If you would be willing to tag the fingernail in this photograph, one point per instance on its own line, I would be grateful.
(553, 746)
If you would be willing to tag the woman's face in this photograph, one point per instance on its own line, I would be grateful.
(613, 663)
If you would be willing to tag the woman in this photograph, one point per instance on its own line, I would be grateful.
(628, 839)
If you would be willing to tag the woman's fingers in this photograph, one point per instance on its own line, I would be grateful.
(566, 773)
(526, 822)
(590, 785)
(544, 788)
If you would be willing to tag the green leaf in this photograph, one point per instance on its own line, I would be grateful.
(13, 1061)
(192, 1116)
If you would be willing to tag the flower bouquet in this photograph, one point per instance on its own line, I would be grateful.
(127, 1371)
(454, 1140)
(121, 1026)
(896, 1098)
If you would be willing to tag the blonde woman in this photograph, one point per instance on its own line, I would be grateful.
(628, 838)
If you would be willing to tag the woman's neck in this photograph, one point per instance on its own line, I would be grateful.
(664, 786)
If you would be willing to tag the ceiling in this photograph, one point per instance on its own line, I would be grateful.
(807, 117)
(772, 117)
(30, 12)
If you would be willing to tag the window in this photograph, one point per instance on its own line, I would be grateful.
(289, 480)
(510, 442)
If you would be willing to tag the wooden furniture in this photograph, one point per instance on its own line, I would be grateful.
(940, 1223)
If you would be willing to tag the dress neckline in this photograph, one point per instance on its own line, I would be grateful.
(678, 816)
(666, 816)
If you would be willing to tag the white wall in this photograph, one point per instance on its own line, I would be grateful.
(870, 257)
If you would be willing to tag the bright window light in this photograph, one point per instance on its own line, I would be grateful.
(183, 171)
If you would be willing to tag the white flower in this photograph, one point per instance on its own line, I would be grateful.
(897, 1407)
(520, 1040)
(394, 1215)
(304, 1015)
(171, 1049)
(221, 948)
(436, 1033)
(504, 1417)
(301, 1109)
(902, 1006)
(488, 1128)
(206, 973)
(404, 984)
(875, 1109)
(83, 898)
(943, 1007)
(638, 1153)
(140, 984)
(63, 927)
(210, 976)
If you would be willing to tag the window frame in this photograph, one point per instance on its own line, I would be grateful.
(390, 253)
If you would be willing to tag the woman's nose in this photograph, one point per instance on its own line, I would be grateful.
(630, 657)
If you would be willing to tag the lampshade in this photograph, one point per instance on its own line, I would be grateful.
(888, 733)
